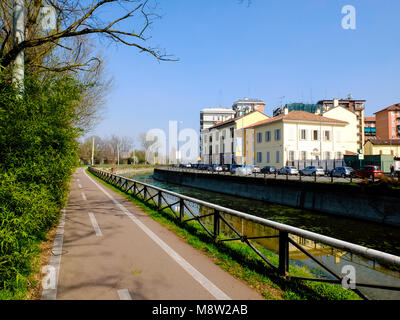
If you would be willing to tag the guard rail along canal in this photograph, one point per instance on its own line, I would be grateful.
(220, 223)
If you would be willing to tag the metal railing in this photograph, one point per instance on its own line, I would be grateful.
(276, 175)
(285, 234)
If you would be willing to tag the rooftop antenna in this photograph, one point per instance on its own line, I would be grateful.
(349, 96)
(281, 99)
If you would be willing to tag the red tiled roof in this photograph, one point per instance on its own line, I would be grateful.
(233, 119)
(299, 116)
(395, 107)
(387, 142)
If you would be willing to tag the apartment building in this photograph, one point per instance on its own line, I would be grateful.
(209, 117)
(355, 106)
(224, 143)
(246, 105)
(369, 128)
(388, 123)
(301, 138)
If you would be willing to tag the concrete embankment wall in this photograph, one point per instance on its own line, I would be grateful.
(374, 203)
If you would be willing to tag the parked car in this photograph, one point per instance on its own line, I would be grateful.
(312, 171)
(225, 167)
(268, 169)
(217, 167)
(341, 172)
(244, 170)
(234, 166)
(368, 172)
(256, 169)
(202, 167)
(288, 170)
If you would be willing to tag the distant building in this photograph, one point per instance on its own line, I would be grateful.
(369, 128)
(210, 116)
(224, 143)
(355, 106)
(388, 122)
(246, 105)
(312, 108)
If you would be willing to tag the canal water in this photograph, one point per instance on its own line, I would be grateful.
(380, 237)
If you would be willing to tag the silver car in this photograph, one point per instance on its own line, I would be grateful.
(288, 170)
(244, 170)
(312, 171)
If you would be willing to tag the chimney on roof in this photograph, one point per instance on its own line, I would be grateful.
(335, 103)
(285, 110)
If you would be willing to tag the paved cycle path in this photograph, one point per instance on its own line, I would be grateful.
(111, 249)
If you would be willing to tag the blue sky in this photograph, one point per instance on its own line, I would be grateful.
(272, 48)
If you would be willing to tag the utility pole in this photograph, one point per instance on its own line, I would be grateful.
(18, 37)
(118, 153)
(92, 151)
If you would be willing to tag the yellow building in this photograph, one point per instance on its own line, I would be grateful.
(301, 138)
(382, 146)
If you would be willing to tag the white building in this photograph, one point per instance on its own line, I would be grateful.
(210, 116)
(224, 143)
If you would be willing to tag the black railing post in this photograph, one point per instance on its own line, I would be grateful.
(283, 267)
(159, 202)
(216, 223)
(144, 193)
(181, 210)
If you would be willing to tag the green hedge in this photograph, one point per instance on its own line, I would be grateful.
(38, 152)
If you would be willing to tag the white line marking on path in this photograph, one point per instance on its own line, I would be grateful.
(200, 278)
(124, 294)
(55, 259)
(95, 225)
(80, 186)
(84, 196)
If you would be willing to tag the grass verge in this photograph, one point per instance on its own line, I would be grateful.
(240, 261)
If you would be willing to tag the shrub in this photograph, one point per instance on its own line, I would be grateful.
(38, 151)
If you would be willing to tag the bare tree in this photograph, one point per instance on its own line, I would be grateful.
(125, 22)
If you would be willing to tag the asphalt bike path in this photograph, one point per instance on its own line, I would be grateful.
(108, 248)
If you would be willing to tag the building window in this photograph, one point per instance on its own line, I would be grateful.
(315, 134)
(232, 133)
(268, 157)
(303, 155)
(277, 134)
(259, 137)
(277, 157)
(327, 135)
(267, 136)
(210, 138)
(339, 155)
(291, 155)
(259, 157)
(303, 134)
